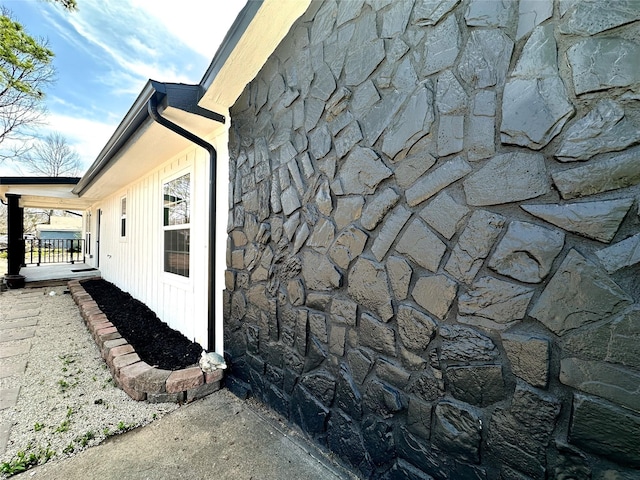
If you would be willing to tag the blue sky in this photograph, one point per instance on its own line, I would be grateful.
(106, 51)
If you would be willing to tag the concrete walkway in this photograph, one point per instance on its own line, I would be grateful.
(219, 437)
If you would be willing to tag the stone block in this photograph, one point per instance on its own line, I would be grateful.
(128, 374)
(360, 365)
(389, 232)
(348, 209)
(444, 215)
(123, 361)
(457, 430)
(369, 286)
(450, 134)
(479, 385)
(399, 272)
(529, 357)
(614, 383)
(202, 391)
(177, 397)
(485, 59)
(383, 399)
(461, 345)
(441, 46)
(306, 411)
(623, 254)
(605, 429)
(378, 207)
(421, 245)
(118, 351)
(348, 245)
(578, 294)
(377, 335)
(433, 182)
(152, 381)
(435, 294)
(319, 273)
(181, 380)
(362, 171)
(344, 438)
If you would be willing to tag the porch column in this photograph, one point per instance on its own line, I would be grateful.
(15, 224)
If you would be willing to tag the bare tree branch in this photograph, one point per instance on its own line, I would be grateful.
(52, 157)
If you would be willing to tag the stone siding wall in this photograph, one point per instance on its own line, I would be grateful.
(434, 244)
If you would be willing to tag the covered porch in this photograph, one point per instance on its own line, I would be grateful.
(56, 274)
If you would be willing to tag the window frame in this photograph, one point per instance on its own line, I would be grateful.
(170, 275)
(123, 217)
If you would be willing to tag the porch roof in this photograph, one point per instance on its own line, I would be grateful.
(43, 192)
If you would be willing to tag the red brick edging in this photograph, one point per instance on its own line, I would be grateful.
(138, 379)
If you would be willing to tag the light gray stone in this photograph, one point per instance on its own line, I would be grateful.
(348, 11)
(435, 294)
(441, 46)
(534, 110)
(620, 171)
(297, 294)
(411, 168)
(617, 384)
(450, 134)
(369, 286)
(301, 237)
(348, 210)
(421, 245)
(380, 116)
(291, 225)
(323, 84)
(320, 141)
(450, 96)
(415, 328)
(290, 200)
(539, 57)
(390, 230)
(474, 245)
(444, 215)
(377, 335)
(433, 182)
(395, 20)
(532, 13)
(416, 116)
(319, 273)
(324, 21)
(323, 198)
(322, 236)
(347, 138)
(399, 272)
(364, 97)
(620, 255)
(348, 245)
(603, 129)
(605, 429)
(362, 59)
(590, 17)
(578, 294)
(527, 251)
(479, 139)
(602, 63)
(529, 357)
(494, 303)
(429, 12)
(484, 103)
(614, 341)
(597, 220)
(481, 13)
(507, 178)
(486, 58)
(461, 345)
(362, 171)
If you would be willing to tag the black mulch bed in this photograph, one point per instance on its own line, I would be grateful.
(153, 340)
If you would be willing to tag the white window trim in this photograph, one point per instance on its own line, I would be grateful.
(168, 277)
(123, 238)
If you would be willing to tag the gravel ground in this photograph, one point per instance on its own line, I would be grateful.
(67, 399)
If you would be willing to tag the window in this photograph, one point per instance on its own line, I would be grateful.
(176, 225)
(123, 217)
(87, 234)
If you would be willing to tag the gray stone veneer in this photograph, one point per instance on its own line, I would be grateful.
(434, 237)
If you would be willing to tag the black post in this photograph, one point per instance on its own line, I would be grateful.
(15, 249)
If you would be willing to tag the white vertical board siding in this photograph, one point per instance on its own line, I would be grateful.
(135, 263)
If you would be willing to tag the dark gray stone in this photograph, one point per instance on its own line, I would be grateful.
(383, 400)
(606, 128)
(319, 273)
(620, 255)
(378, 440)
(507, 178)
(415, 328)
(612, 382)
(613, 341)
(578, 294)
(479, 385)
(419, 418)
(360, 365)
(461, 345)
(527, 251)
(529, 357)
(391, 373)
(337, 339)
(320, 385)
(348, 397)
(344, 439)
(348, 245)
(457, 431)
(605, 429)
(377, 335)
(598, 220)
(307, 411)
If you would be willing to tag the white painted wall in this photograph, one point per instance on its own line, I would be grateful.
(135, 263)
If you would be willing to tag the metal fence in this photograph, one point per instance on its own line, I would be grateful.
(55, 250)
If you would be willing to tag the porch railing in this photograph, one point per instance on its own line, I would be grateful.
(55, 250)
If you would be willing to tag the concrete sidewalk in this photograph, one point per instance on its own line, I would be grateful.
(219, 437)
